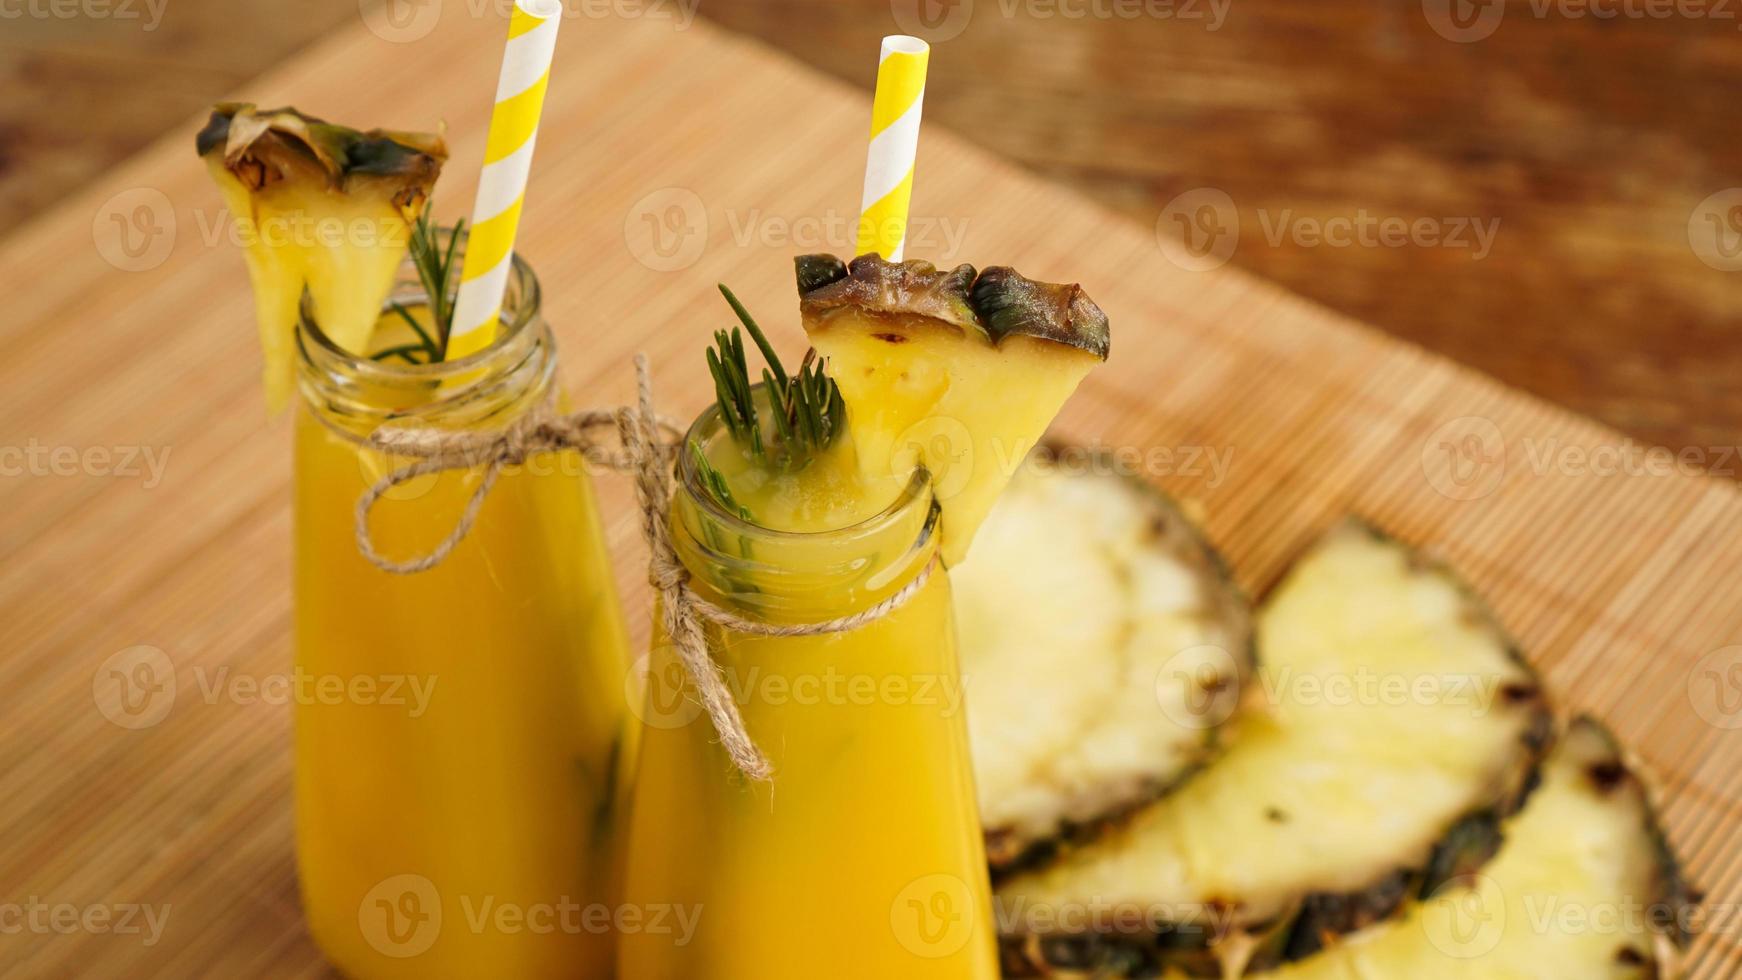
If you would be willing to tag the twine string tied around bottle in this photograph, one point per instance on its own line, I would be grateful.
(647, 449)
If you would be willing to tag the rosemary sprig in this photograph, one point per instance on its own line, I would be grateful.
(756, 333)
(436, 271)
(732, 388)
(715, 482)
(405, 352)
(806, 409)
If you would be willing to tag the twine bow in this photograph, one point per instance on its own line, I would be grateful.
(648, 447)
(438, 450)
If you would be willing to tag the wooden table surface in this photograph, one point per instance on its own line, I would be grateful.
(670, 160)
(1596, 145)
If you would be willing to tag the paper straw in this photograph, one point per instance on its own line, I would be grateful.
(502, 184)
(894, 140)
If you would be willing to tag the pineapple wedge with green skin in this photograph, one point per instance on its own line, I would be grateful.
(319, 207)
(1583, 887)
(1104, 645)
(1394, 721)
(958, 370)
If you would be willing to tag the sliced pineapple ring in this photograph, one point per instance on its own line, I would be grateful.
(1584, 887)
(956, 370)
(1391, 711)
(320, 207)
(1103, 647)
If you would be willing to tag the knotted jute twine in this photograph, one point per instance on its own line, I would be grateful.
(647, 450)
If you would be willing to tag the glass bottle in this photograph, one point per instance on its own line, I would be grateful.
(863, 856)
(459, 733)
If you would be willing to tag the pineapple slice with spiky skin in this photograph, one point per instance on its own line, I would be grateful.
(1104, 644)
(1583, 885)
(1394, 721)
(319, 207)
(956, 370)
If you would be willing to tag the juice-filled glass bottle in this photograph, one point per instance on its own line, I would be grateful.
(459, 733)
(863, 857)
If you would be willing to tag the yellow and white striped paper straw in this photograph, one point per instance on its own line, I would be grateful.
(502, 184)
(894, 141)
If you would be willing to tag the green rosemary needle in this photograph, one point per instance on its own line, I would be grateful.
(806, 412)
(806, 409)
(436, 272)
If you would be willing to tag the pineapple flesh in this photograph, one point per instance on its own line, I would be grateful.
(1583, 886)
(956, 370)
(1104, 647)
(1390, 712)
(319, 207)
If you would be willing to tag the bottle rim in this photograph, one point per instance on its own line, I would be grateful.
(918, 489)
(357, 392)
(522, 306)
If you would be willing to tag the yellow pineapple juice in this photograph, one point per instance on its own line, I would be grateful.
(460, 743)
(863, 857)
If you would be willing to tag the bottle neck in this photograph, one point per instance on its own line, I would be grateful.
(493, 387)
(797, 576)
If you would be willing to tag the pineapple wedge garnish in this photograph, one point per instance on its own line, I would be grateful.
(1583, 885)
(955, 370)
(1105, 647)
(319, 207)
(1394, 721)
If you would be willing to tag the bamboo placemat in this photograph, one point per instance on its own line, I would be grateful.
(129, 329)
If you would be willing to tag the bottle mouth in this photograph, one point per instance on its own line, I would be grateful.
(521, 305)
(797, 576)
(358, 392)
(917, 491)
